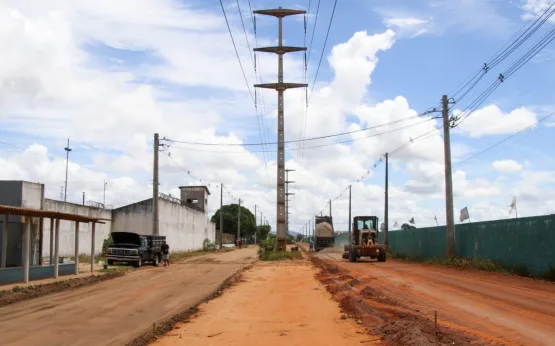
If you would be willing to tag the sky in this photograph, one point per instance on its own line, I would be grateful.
(110, 74)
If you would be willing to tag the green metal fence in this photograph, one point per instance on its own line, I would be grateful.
(524, 243)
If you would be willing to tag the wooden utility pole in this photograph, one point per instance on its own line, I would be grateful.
(448, 179)
(386, 210)
(155, 224)
(280, 87)
(221, 215)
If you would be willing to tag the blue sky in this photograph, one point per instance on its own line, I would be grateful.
(108, 78)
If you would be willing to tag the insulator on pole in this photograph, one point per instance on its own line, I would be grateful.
(254, 23)
(305, 24)
(255, 63)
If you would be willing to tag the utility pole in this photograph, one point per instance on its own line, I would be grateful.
(67, 149)
(330, 208)
(104, 200)
(448, 179)
(155, 224)
(350, 238)
(221, 215)
(255, 223)
(239, 221)
(287, 194)
(83, 197)
(386, 209)
(280, 87)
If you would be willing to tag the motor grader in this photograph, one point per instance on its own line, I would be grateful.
(364, 240)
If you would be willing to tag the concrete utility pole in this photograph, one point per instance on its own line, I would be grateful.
(255, 224)
(350, 238)
(67, 149)
(239, 221)
(287, 194)
(386, 209)
(221, 215)
(104, 199)
(155, 224)
(330, 207)
(83, 197)
(280, 87)
(448, 179)
(309, 229)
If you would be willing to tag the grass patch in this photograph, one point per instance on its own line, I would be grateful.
(479, 263)
(183, 255)
(87, 259)
(280, 255)
(114, 269)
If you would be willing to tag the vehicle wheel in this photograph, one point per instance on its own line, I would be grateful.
(352, 255)
(138, 263)
(156, 260)
(110, 262)
(382, 256)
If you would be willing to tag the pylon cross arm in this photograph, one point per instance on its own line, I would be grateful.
(281, 86)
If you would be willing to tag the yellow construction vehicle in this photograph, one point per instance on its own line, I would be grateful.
(364, 240)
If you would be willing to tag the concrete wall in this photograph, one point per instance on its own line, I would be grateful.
(185, 228)
(67, 228)
(11, 275)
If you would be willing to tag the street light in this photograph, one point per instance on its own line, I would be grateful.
(67, 149)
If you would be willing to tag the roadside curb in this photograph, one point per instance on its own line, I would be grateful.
(162, 328)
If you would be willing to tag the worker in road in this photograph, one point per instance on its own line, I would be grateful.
(166, 254)
(311, 246)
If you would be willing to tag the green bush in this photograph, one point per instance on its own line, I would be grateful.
(280, 255)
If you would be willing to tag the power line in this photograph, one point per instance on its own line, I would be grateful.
(323, 51)
(237, 53)
(245, 31)
(307, 139)
(506, 139)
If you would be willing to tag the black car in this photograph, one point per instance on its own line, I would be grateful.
(135, 249)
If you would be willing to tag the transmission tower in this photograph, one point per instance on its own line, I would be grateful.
(280, 87)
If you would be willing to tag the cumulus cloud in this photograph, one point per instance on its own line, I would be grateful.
(491, 120)
(533, 8)
(507, 166)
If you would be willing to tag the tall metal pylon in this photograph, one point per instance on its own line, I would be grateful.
(280, 87)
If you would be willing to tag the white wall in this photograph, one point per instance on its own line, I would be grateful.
(67, 228)
(185, 228)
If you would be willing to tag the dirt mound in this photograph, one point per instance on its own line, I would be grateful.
(382, 315)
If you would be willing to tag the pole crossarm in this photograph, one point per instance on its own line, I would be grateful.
(280, 49)
(279, 12)
(281, 86)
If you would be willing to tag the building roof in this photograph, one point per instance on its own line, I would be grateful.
(11, 210)
(198, 186)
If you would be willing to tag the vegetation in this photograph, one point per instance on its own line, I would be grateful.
(280, 255)
(230, 216)
(107, 243)
(479, 263)
(263, 232)
(299, 237)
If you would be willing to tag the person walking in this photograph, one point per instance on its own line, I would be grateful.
(166, 254)
(311, 246)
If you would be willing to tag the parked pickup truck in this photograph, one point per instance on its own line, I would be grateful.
(135, 249)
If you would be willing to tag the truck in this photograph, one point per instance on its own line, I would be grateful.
(364, 240)
(324, 234)
(135, 249)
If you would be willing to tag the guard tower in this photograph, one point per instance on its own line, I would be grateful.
(195, 196)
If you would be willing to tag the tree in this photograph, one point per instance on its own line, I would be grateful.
(406, 226)
(263, 231)
(230, 212)
(299, 237)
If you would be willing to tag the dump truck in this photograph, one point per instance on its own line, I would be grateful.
(364, 240)
(324, 234)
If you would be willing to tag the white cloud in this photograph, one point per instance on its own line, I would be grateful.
(533, 8)
(408, 26)
(507, 166)
(491, 120)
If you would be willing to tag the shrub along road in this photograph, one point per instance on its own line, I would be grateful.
(116, 311)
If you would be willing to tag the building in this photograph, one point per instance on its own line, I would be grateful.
(183, 221)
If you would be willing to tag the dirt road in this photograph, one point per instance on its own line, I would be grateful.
(494, 307)
(276, 304)
(114, 312)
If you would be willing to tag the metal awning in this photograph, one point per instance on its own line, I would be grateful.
(11, 210)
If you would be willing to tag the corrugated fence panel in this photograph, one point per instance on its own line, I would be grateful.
(524, 243)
